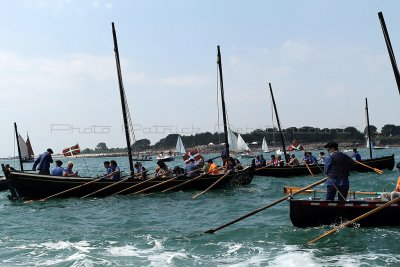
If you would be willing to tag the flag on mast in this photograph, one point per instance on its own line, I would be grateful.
(71, 151)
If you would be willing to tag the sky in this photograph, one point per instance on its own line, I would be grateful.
(58, 78)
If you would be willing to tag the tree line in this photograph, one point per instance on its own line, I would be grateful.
(389, 134)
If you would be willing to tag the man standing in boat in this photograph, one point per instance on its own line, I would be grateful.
(337, 167)
(42, 163)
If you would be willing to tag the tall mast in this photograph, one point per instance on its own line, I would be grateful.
(123, 100)
(368, 129)
(390, 50)
(19, 149)
(221, 82)
(279, 124)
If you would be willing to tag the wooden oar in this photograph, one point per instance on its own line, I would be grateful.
(133, 186)
(65, 191)
(355, 220)
(374, 169)
(289, 190)
(211, 231)
(160, 183)
(312, 174)
(186, 182)
(104, 188)
(211, 186)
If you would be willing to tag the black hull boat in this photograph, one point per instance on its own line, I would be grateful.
(34, 186)
(287, 171)
(317, 212)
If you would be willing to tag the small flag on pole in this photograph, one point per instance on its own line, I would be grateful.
(71, 151)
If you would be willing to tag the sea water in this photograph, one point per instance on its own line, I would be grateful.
(166, 229)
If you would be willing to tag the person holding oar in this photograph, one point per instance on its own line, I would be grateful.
(115, 171)
(162, 170)
(337, 168)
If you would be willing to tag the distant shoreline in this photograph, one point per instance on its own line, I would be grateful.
(208, 150)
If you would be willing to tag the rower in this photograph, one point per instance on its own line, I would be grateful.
(68, 172)
(58, 170)
(212, 168)
(190, 168)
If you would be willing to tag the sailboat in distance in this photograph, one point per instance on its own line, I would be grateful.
(243, 148)
(26, 149)
(180, 148)
(264, 146)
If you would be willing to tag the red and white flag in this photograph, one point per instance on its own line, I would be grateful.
(295, 145)
(71, 151)
(194, 154)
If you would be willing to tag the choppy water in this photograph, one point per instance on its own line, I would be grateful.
(166, 229)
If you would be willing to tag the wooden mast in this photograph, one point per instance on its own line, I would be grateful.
(221, 82)
(19, 149)
(390, 50)
(279, 124)
(123, 100)
(368, 128)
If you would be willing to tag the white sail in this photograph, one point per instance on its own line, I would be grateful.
(264, 146)
(241, 145)
(180, 149)
(372, 144)
(232, 141)
(23, 147)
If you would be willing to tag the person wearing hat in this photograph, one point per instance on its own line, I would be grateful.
(212, 167)
(388, 196)
(68, 172)
(42, 163)
(337, 168)
(58, 170)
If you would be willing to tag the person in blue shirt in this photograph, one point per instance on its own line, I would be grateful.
(42, 163)
(306, 158)
(356, 155)
(337, 168)
(107, 167)
(68, 172)
(191, 169)
(115, 171)
(312, 159)
(263, 162)
(58, 170)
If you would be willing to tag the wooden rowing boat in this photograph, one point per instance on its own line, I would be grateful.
(33, 186)
(381, 163)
